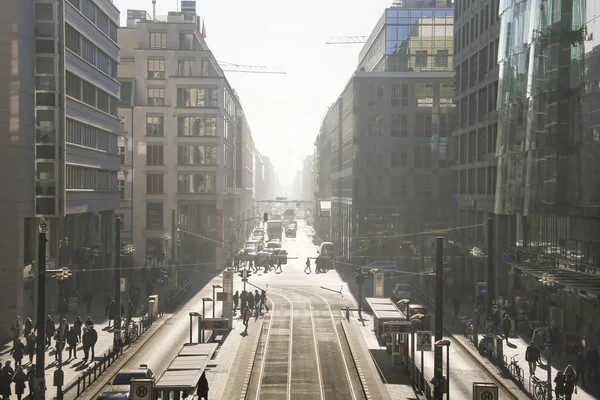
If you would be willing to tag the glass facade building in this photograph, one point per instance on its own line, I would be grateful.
(407, 39)
(548, 151)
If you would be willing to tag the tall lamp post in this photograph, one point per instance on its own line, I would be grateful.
(204, 300)
(61, 275)
(445, 343)
(405, 302)
(416, 317)
(215, 287)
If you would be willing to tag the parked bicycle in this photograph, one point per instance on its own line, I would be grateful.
(538, 388)
(515, 370)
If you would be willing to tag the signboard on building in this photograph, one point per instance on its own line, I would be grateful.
(378, 284)
(423, 341)
(228, 289)
(572, 344)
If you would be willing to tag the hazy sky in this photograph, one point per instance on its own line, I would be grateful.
(284, 111)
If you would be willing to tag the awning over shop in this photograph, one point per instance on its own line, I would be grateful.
(586, 285)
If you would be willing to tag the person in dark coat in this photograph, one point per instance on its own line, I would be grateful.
(532, 356)
(559, 385)
(6, 380)
(93, 338)
(202, 391)
(85, 340)
(112, 312)
(89, 322)
(263, 300)
(18, 351)
(19, 379)
(50, 328)
(593, 360)
(72, 340)
(31, 346)
(77, 325)
(243, 297)
(250, 300)
(257, 301)
(27, 327)
(31, 378)
(236, 299)
(570, 383)
(506, 326)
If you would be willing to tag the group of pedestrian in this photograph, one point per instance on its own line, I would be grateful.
(253, 301)
(8, 376)
(565, 384)
(589, 363)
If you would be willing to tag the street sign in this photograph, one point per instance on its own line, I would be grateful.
(547, 339)
(228, 289)
(485, 391)
(396, 327)
(378, 284)
(96, 252)
(423, 341)
(214, 324)
(142, 389)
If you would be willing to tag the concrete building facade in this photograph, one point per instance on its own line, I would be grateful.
(187, 123)
(72, 75)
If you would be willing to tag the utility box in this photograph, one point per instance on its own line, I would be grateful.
(151, 310)
(154, 298)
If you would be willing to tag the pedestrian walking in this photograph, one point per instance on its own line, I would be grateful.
(6, 380)
(19, 379)
(570, 383)
(31, 378)
(93, 340)
(89, 322)
(506, 326)
(246, 318)
(50, 328)
(580, 369)
(307, 266)
(77, 325)
(250, 300)
(532, 356)
(257, 301)
(263, 300)
(31, 346)
(236, 299)
(592, 360)
(202, 391)
(72, 340)
(17, 352)
(27, 327)
(85, 340)
(278, 266)
(496, 319)
(112, 312)
(559, 385)
(243, 297)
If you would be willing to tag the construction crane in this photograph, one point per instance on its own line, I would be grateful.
(250, 69)
(347, 40)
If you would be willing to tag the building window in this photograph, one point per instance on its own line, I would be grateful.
(156, 97)
(398, 159)
(154, 154)
(73, 85)
(72, 39)
(204, 155)
(423, 125)
(121, 187)
(186, 41)
(398, 186)
(186, 68)
(197, 97)
(399, 95)
(444, 188)
(422, 187)
(155, 125)
(84, 178)
(158, 40)
(89, 136)
(197, 126)
(197, 183)
(421, 58)
(375, 125)
(154, 184)
(422, 156)
(154, 215)
(89, 93)
(399, 125)
(122, 154)
(156, 69)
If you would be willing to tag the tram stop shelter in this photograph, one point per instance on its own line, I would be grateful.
(185, 371)
(384, 310)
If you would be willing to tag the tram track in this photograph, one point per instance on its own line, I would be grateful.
(302, 355)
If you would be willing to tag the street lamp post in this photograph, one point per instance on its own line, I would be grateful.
(204, 300)
(214, 288)
(405, 302)
(445, 343)
(416, 317)
(61, 276)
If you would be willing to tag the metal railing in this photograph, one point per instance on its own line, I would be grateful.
(514, 370)
(538, 388)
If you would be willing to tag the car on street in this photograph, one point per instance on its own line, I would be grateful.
(121, 383)
(414, 309)
(388, 267)
(401, 291)
(290, 232)
(274, 244)
(279, 255)
(263, 256)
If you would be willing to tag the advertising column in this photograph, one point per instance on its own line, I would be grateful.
(228, 289)
(378, 284)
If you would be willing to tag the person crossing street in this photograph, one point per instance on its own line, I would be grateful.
(307, 266)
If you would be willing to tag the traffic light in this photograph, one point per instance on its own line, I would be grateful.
(265, 217)
(244, 274)
(360, 279)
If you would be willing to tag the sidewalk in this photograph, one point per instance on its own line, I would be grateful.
(71, 368)
(380, 378)
(516, 346)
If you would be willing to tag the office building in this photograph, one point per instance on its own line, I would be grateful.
(61, 103)
(192, 149)
(476, 36)
(390, 130)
